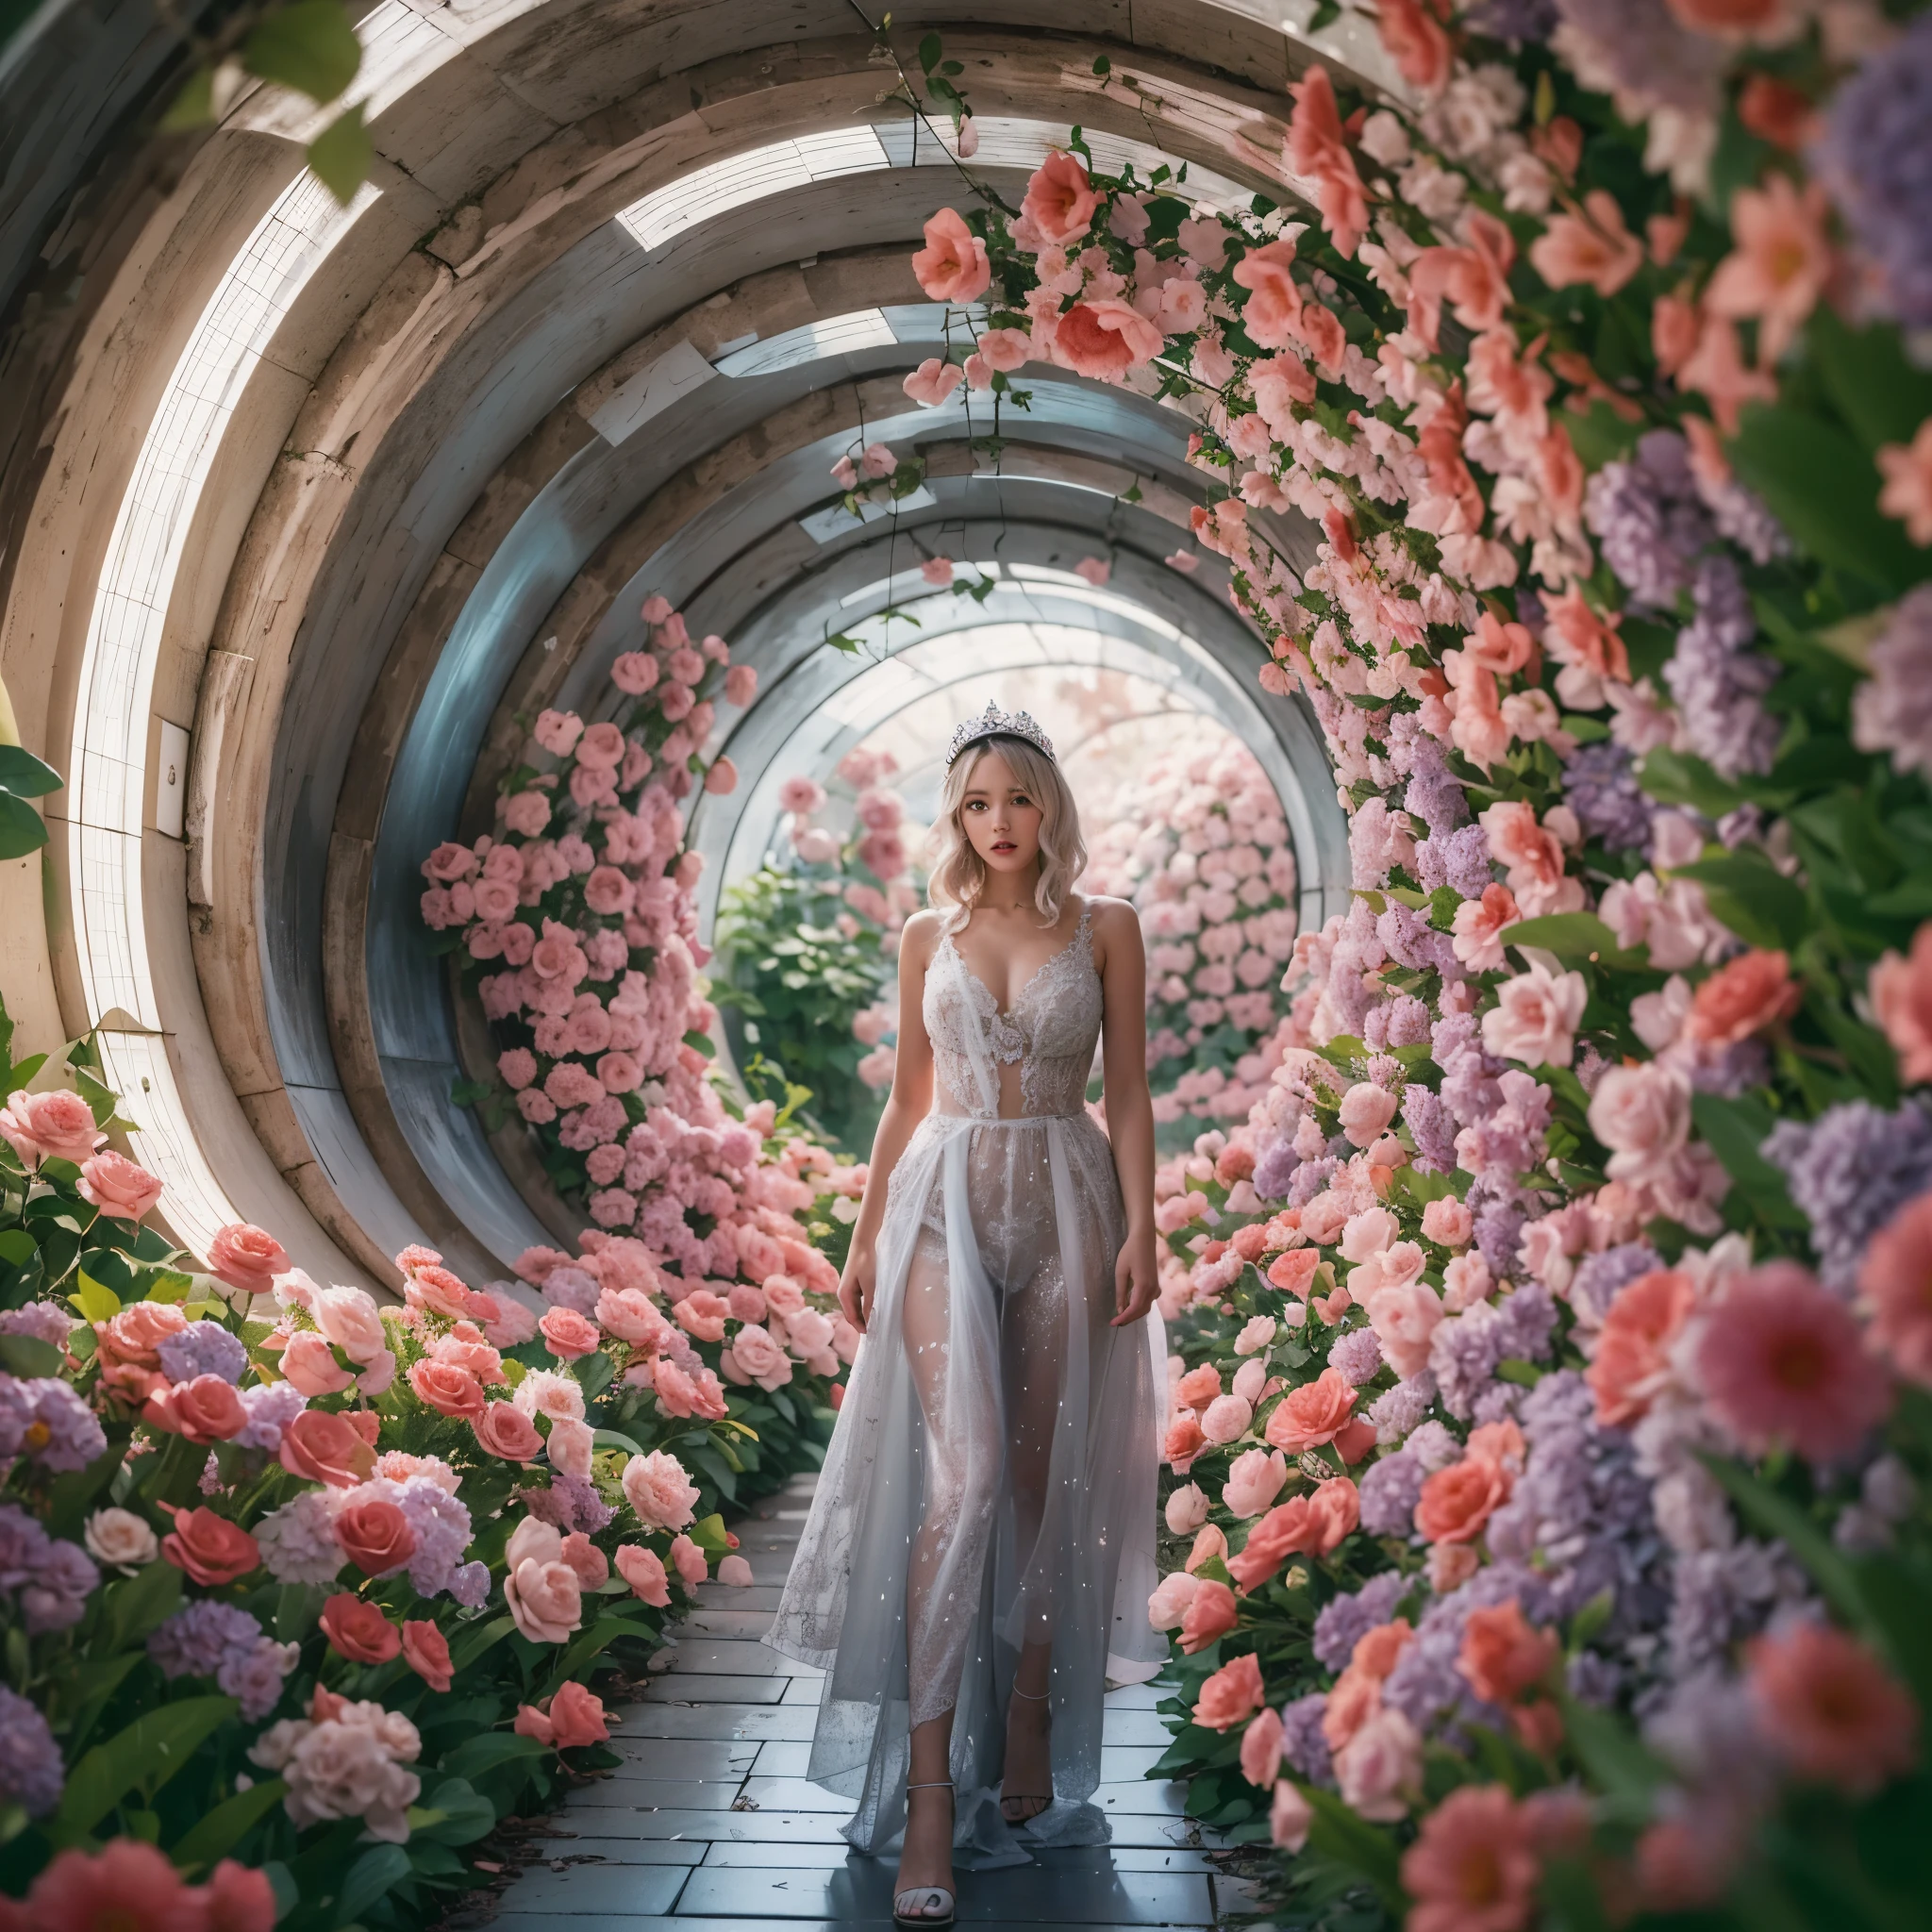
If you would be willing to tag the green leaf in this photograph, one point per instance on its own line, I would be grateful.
(309, 46)
(341, 155)
(1824, 490)
(929, 51)
(1337, 1833)
(147, 1754)
(1325, 14)
(169, 1285)
(1870, 381)
(26, 775)
(217, 1833)
(1754, 899)
(1678, 778)
(459, 1814)
(17, 1246)
(1616, 1758)
(614, 1439)
(1736, 1129)
(378, 1870)
(475, 1756)
(142, 1603)
(95, 1303)
(27, 1356)
(22, 829)
(1568, 934)
(195, 106)
(708, 1534)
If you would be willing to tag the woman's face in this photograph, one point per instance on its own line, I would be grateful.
(1001, 817)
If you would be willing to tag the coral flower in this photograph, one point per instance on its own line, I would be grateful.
(1896, 1281)
(952, 267)
(1060, 200)
(1831, 1710)
(1503, 1655)
(1781, 1360)
(1752, 992)
(1105, 339)
(1593, 247)
(1901, 990)
(1313, 1414)
(1457, 1502)
(1633, 1345)
(1908, 494)
(1471, 1867)
(1780, 265)
(1231, 1696)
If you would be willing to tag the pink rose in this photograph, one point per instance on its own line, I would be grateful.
(1169, 1602)
(643, 1570)
(1254, 1478)
(1289, 1817)
(659, 1489)
(350, 1319)
(1448, 1222)
(1211, 1613)
(690, 1561)
(1901, 989)
(503, 1429)
(620, 1073)
(758, 1356)
(1261, 1749)
(567, 1334)
(1537, 1018)
(740, 685)
(1379, 1769)
(601, 747)
(633, 672)
(1366, 1110)
(630, 1315)
(1404, 1318)
(569, 1446)
(246, 1257)
(558, 731)
(1231, 1696)
(1186, 1509)
(541, 1589)
(117, 1187)
(1394, 1266)
(59, 1124)
(1225, 1418)
(310, 1364)
(1643, 1115)
(1466, 1281)
(526, 813)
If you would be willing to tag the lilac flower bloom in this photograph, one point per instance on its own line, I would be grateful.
(272, 1407)
(1458, 860)
(470, 1585)
(45, 1321)
(56, 1597)
(1432, 1128)
(441, 1524)
(256, 1675)
(1498, 1228)
(200, 1637)
(1466, 1349)
(1276, 1169)
(298, 1541)
(23, 1543)
(1599, 787)
(1358, 1356)
(31, 1773)
(1517, 23)
(1346, 1620)
(1302, 1742)
(1875, 156)
(1598, 1278)
(1850, 1171)
(1893, 709)
(203, 1348)
(1649, 520)
(571, 1287)
(1425, 1686)
(47, 1420)
(1390, 1490)
(1718, 680)
(1723, 1597)
(1311, 1177)
(1435, 796)
(1396, 1412)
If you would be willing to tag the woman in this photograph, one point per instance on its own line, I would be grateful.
(980, 1547)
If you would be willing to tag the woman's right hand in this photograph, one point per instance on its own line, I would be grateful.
(858, 1284)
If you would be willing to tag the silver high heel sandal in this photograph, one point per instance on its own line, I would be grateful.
(924, 1905)
(1044, 1800)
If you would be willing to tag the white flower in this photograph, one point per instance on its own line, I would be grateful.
(1384, 138)
(298, 1541)
(119, 1539)
(543, 1392)
(347, 1767)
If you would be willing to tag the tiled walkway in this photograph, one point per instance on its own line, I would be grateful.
(710, 1825)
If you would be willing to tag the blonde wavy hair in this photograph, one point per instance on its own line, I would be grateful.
(959, 874)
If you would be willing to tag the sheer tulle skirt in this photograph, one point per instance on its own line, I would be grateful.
(990, 1482)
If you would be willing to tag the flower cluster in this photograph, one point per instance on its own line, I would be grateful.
(1560, 1301)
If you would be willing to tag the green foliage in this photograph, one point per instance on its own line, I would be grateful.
(23, 777)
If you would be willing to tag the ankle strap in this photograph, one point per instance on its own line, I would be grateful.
(929, 1784)
(1038, 1696)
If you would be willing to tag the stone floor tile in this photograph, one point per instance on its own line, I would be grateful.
(700, 1687)
(585, 1889)
(804, 1689)
(1135, 1727)
(660, 1719)
(712, 1621)
(716, 1758)
(1142, 1796)
(863, 1889)
(796, 1795)
(735, 1656)
(649, 1793)
(566, 1842)
(806, 1827)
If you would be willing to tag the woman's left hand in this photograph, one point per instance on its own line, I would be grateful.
(1136, 1281)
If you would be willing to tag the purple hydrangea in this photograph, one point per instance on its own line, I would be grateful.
(272, 1407)
(1458, 860)
(1718, 680)
(470, 1585)
(45, 1321)
(1358, 1356)
(571, 1287)
(1499, 1223)
(1390, 1490)
(257, 1676)
(568, 1503)
(1466, 1349)
(1850, 1171)
(1302, 1742)
(1311, 1177)
(1275, 1170)
(43, 1418)
(54, 1597)
(31, 1773)
(1876, 157)
(23, 1546)
(1432, 1128)
(1410, 941)
(1720, 1597)
(203, 1348)
(441, 1525)
(1893, 709)
(1425, 1686)
(1599, 787)
(1598, 1277)
(1517, 23)
(1346, 1620)
(1396, 1412)
(1435, 796)
(1650, 522)
(1743, 518)
(199, 1637)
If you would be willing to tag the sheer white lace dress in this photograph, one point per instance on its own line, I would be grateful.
(991, 1476)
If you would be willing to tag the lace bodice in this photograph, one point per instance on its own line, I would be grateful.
(1051, 1029)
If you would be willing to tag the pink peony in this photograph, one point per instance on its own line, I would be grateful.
(660, 1490)
(1896, 1284)
(59, 1123)
(1405, 1317)
(690, 1562)
(1831, 1710)
(1473, 1867)
(1781, 1360)
(1261, 1749)
(246, 1257)
(544, 1596)
(1379, 1769)
(118, 1187)
(1226, 1419)
(1537, 1018)
(758, 1356)
(1186, 1509)
(310, 1366)
(1168, 1601)
(643, 1570)
(1901, 989)
(1448, 1222)
(1366, 1111)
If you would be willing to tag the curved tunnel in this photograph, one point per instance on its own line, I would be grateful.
(312, 502)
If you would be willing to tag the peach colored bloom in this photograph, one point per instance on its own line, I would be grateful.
(1261, 1749)
(1365, 1113)
(1254, 1478)
(1279, 1535)
(1293, 1270)
(1413, 38)
(1896, 1283)
(1907, 493)
(246, 1257)
(1182, 1443)
(544, 1596)
(569, 1721)
(1632, 1360)
(1379, 1770)
(643, 1570)
(1780, 264)
(206, 1409)
(1289, 1817)
(1536, 1017)
(1356, 1697)
(425, 1650)
(323, 1448)
(1781, 1360)
(1643, 1115)
(690, 1562)
(1226, 1419)
(1211, 1613)
(1471, 1867)
(1901, 990)
(1479, 926)
(1272, 314)
(1718, 372)
(1210, 1546)
(1592, 246)
(1405, 1317)
(1503, 1655)
(933, 381)
(1315, 1413)
(1777, 112)
(659, 1489)
(1457, 1502)
(503, 1429)
(567, 1334)
(374, 1535)
(1448, 1222)
(1231, 1696)
(1005, 349)
(1316, 148)
(1751, 992)
(1059, 201)
(118, 1187)
(448, 1388)
(357, 1629)
(592, 1566)
(310, 1364)
(1105, 339)
(210, 1548)
(1831, 1710)
(952, 267)
(1198, 1387)
(1167, 1603)
(1186, 1509)
(59, 1124)
(702, 1314)
(1334, 1511)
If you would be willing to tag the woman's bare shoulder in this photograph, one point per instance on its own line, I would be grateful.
(1115, 921)
(922, 934)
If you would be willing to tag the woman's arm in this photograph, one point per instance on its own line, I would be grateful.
(906, 1107)
(1129, 1106)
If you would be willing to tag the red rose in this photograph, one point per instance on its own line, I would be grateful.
(505, 1430)
(210, 1548)
(359, 1630)
(376, 1536)
(323, 1448)
(425, 1650)
(448, 1389)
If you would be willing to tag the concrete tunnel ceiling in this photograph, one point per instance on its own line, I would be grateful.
(626, 282)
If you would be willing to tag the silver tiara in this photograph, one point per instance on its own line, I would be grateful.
(995, 723)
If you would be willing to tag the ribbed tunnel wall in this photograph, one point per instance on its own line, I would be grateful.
(304, 504)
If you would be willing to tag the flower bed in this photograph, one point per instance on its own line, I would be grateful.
(1550, 1423)
(1198, 842)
